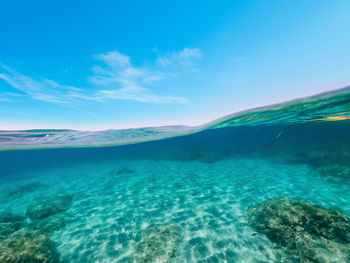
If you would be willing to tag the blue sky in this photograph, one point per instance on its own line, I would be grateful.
(95, 65)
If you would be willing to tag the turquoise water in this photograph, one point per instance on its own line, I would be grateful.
(182, 198)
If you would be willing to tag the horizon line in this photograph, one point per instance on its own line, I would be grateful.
(202, 124)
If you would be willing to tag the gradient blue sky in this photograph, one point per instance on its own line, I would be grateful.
(94, 65)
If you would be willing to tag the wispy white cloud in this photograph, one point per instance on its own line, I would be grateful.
(114, 59)
(43, 89)
(7, 97)
(115, 79)
(122, 80)
(10, 96)
(186, 58)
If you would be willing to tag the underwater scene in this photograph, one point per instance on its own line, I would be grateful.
(266, 185)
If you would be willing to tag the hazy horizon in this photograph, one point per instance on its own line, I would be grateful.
(292, 101)
(182, 124)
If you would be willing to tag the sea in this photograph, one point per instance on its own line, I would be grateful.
(183, 194)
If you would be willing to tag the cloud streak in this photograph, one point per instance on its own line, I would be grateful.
(185, 59)
(114, 79)
(43, 89)
(121, 80)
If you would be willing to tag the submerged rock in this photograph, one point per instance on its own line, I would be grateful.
(10, 223)
(330, 163)
(21, 242)
(6, 217)
(8, 228)
(325, 156)
(311, 232)
(51, 223)
(28, 246)
(158, 244)
(51, 205)
(122, 171)
(201, 156)
(21, 190)
(333, 171)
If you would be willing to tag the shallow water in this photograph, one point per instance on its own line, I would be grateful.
(186, 198)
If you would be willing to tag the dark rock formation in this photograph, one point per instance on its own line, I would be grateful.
(8, 228)
(28, 246)
(51, 205)
(22, 242)
(6, 217)
(21, 190)
(332, 164)
(122, 171)
(324, 156)
(310, 232)
(10, 223)
(158, 244)
(51, 223)
(333, 171)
